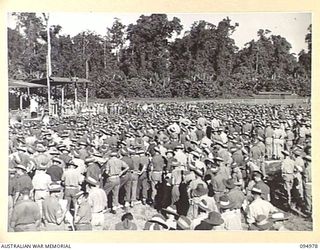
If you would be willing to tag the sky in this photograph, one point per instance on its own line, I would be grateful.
(292, 26)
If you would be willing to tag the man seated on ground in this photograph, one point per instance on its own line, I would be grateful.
(126, 223)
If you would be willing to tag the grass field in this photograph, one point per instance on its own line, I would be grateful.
(249, 101)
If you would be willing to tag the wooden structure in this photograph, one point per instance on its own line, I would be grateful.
(17, 84)
(63, 82)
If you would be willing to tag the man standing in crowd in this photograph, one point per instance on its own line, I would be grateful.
(213, 175)
(26, 214)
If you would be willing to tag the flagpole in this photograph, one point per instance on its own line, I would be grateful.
(46, 17)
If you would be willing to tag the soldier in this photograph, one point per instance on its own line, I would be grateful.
(26, 214)
(114, 169)
(287, 172)
(53, 213)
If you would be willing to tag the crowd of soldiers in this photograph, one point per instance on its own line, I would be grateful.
(198, 167)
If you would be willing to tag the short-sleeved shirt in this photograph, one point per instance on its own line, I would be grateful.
(72, 177)
(94, 171)
(217, 182)
(255, 153)
(115, 166)
(290, 135)
(120, 226)
(136, 162)
(237, 197)
(144, 161)
(97, 199)
(287, 166)
(84, 213)
(129, 161)
(25, 212)
(52, 210)
(259, 207)
(41, 181)
(158, 163)
(269, 132)
(24, 181)
(232, 220)
(12, 185)
(55, 173)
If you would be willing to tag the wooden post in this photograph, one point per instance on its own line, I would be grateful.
(62, 98)
(75, 92)
(21, 102)
(87, 93)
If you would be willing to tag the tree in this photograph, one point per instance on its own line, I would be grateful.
(148, 50)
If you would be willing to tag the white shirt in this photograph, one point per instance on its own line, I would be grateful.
(259, 207)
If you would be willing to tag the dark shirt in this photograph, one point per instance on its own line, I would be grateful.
(158, 163)
(25, 212)
(84, 212)
(129, 161)
(12, 185)
(237, 197)
(55, 173)
(265, 194)
(204, 226)
(23, 181)
(94, 171)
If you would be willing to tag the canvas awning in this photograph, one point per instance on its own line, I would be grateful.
(21, 84)
(54, 81)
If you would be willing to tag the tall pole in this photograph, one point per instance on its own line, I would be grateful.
(46, 17)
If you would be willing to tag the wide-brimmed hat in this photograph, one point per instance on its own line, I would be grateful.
(195, 153)
(297, 152)
(256, 190)
(209, 161)
(89, 160)
(20, 166)
(257, 172)
(40, 148)
(279, 216)
(214, 218)
(171, 210)
(79, 194)
(31, 150)
(184, 223)
(157, 149)
(203, 204)
(58, 160)
(200, 190)
(307, 158)
(23, 149)
(229, 183)
(72, 163)
(285, 152)
(114, 154)
(225, 203)
(159, 218)
(54, 151)
(169, 151)
(175, 163)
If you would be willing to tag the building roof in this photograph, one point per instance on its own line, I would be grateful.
(59, 80)
(21, 84)
(275, 93)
